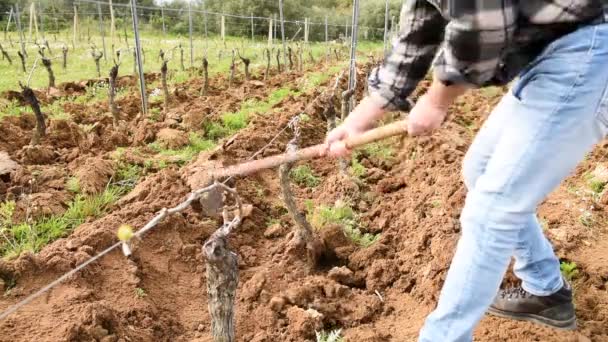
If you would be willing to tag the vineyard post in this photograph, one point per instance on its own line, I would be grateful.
(283, 32)
(327, 39)
(41, 19)
(252, 29)
(269, 33)
(33, 22)
(353, 54)
(386, 13)
(103, 32)
(276, 27)
(392, 26)
(8, 24)
(112, 24)
(140, 66)
(20, 29)
(190, 32)
(346, 31)
(75, 33)
(306, 28)
(206, 29)
(267, 52)
(223, 29)
(162, 15)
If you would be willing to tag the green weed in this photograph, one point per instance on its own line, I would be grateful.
(272, 221)
(597, 186)
(333, 336)
(235, 121)
(341, 214)
(303, 176)
(140, 293)
(379, 150)
(356, 168)
(73, 185)
(304, 117)
(129, 173)
(232, 122)
(183, 155)
(586, 219)
(569, 270)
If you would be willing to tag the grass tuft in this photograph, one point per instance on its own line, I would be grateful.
(18, 237)
(569, 270)
(73, 185)
(303, 176)
(341, 214)
(187, 153)
(333, 336)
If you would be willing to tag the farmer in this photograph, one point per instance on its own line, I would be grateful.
(553, 114)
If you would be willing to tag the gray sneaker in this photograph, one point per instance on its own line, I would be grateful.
(556, 310)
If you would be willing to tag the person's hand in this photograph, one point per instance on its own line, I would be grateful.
(335, 141)
(358, 122)
(426, 116)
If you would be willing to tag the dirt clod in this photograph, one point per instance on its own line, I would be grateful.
(172, 138)
(93, 174)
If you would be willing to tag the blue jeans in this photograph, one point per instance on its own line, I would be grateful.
(552, 116)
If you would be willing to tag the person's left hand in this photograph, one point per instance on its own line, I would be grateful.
(426, 116)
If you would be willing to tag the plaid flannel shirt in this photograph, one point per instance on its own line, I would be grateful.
(475, 42)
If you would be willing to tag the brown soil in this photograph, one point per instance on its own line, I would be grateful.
(379, 293)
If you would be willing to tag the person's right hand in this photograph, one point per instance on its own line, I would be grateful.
(358, 122)
(335, 141)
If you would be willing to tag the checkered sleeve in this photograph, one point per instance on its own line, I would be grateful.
(476, 38)
(422, 29)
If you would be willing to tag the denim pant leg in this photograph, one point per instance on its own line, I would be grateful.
(535, 262)
(557, 114)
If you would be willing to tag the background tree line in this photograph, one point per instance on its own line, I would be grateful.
(57, 15)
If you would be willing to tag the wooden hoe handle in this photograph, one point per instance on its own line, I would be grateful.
(247, 168)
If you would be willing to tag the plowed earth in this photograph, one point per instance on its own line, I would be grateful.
(379, 293)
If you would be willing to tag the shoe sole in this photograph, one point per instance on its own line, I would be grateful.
(568, 325)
